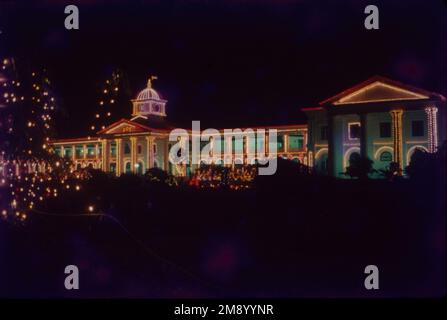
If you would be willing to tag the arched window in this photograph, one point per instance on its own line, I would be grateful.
(386, 156)
(139, 167)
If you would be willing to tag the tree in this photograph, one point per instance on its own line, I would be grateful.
(359, 167)
(27, 109)
(392, 171)
(113, 103)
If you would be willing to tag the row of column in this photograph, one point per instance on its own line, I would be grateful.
(84, 151)
(396, 125)
(106, 154)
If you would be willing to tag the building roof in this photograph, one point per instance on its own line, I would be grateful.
(148, 94)
(385, 81)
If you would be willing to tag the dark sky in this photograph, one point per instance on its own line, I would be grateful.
(227, 63)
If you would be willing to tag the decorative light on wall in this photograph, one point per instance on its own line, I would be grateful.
(396, 116)
(432, 128)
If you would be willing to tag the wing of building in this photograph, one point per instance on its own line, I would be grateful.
(382, 119)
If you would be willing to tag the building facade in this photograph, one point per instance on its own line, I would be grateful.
(380, 118)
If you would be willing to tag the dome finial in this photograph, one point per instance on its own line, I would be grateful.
(149, 81)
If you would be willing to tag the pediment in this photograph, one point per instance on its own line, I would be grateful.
(123, 127)
(379, 91)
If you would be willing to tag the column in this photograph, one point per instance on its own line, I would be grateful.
(84, 151)
(432, 124)
(363, 135)
(62, 151)
(73, 152)
(133, 154)
(396, 120)
(166, 155)
(331, 145)
(119, 156)
(96, 156)
(286, 142)
(105, 155)
(149, 152)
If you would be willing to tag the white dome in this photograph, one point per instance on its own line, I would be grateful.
(147, 94)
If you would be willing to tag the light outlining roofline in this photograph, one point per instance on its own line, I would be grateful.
(385, 80)
(375, 84)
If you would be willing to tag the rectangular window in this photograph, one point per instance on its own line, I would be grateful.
(155, 148)
(324, 133)
(90, 150)
(68, 152)
(238, 144)
(385, 129)
(79, 151)
(296, 141)
(417, 128)
(113, 150)
(354, 130)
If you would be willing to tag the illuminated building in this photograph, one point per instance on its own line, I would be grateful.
(380, 118)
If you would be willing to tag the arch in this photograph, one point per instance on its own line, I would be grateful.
(348, 155)
(238, 161)
(381, 150)
(296, 159)
(320, 152)
(139, 167)
(321, 161)
(156, 164)
(412, 150)
(127, 167)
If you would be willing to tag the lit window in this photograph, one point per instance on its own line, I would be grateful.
(296, 141)
(354, 130)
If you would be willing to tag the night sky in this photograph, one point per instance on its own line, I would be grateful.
(227, 63)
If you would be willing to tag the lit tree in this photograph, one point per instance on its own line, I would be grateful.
(26, 113)
(111, 105)
(30, 171)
